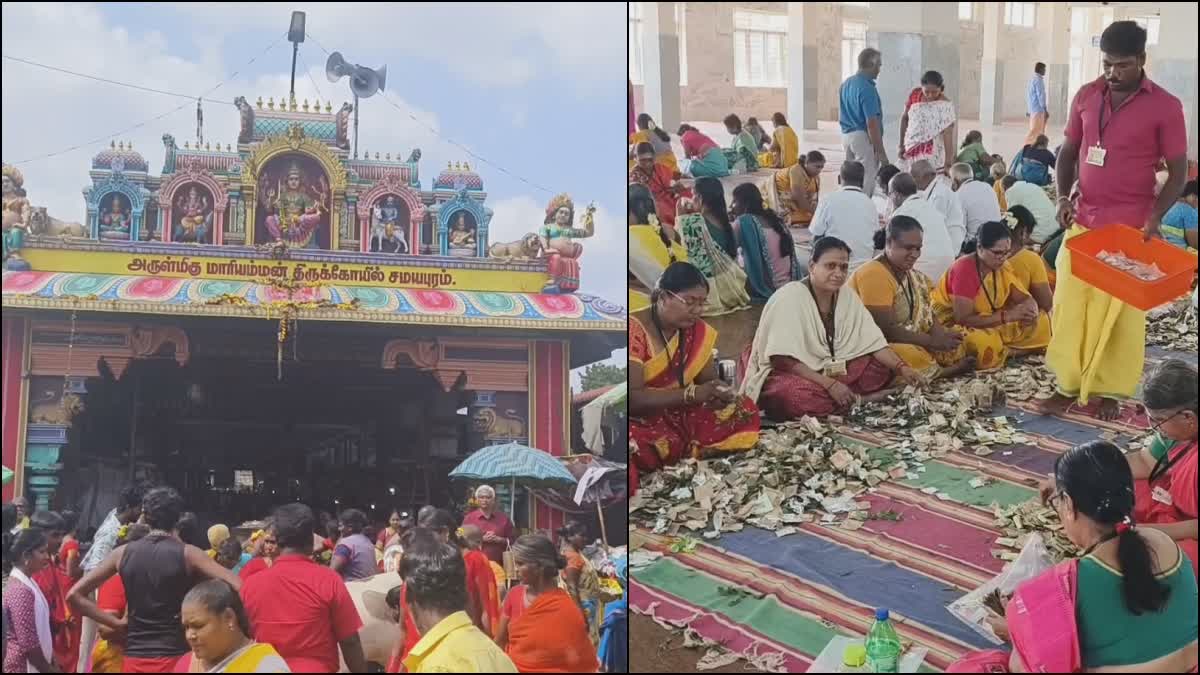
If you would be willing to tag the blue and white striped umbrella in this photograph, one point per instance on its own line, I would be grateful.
(513, 462)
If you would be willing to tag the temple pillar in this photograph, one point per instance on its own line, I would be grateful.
(549, 413)
(991, 76)
(802, 75)
(14, 364)
(1172, 62)
(660, 64)
(45, 442)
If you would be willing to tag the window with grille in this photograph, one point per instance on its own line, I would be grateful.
(1020, 13)
(854, 40)
(759, 49)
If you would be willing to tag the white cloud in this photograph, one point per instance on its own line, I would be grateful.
(489, 44)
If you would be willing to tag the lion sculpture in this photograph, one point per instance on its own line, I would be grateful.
(43, 224)
(527, 247)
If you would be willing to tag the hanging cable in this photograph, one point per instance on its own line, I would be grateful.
(436, 134)
(310, 77)
(113, 135)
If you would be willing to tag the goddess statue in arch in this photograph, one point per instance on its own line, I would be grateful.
(293, 214)
(558, 235)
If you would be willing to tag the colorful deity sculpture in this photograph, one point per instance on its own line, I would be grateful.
(558, 235)
(462, 236)
(295, 215)
(386, 234)
(17, 212)
(195, 223)
(115, 222)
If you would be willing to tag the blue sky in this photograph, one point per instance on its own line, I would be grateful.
(537, 89)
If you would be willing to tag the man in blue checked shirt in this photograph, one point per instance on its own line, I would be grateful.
(1035, 103)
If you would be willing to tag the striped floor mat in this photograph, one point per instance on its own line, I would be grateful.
(800, 590)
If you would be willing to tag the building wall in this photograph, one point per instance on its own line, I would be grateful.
(711, 93)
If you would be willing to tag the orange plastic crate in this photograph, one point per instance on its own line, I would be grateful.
(1178, 264)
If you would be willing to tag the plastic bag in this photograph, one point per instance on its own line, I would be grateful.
(1033, 560)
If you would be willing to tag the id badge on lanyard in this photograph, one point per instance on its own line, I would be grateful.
(835, 368)
(1095, 155)
(1162, 496)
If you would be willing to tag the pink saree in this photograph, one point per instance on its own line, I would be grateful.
(1041, 623)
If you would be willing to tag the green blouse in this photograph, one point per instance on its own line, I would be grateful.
(1109, 635)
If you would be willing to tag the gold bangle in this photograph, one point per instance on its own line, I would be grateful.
(689, 394)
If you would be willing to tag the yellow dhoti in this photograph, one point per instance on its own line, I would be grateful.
(1099, 345)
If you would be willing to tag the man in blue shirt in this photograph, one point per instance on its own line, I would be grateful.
(1035, 103)
(1179, 223)
(861, 117)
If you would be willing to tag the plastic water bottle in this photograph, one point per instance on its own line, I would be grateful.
(883, 645)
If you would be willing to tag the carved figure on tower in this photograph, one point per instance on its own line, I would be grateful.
(387, 232)
(17, 213)
(558, 235)
(462, 235)
(196, 216)
(114, 217)
(293, 213)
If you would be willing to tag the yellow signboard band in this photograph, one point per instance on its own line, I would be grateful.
(264, 270)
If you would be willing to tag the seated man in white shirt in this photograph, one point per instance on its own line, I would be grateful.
(937, 254)
(939, 191)
(1034, 198)
(978, 199)
(849, 215)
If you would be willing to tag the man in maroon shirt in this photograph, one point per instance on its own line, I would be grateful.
(497, 528)
(1118, 129)
(301, 608)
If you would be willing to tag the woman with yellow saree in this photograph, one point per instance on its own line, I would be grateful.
(648, 132)
(678, 406)
(980, 294)
(898, 298)
(652, 246)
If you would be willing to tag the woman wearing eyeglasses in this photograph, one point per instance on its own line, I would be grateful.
(1125, 605)
(678, 406)
(1165, 473)
(981, 295)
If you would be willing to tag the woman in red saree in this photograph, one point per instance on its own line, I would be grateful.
(1165, 474)
(659, 179)
(678, 406)
(1126, 605)
(483, 600)
(548, 633)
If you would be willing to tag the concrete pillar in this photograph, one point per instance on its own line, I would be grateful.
(991, 76)
(1056, 54)
(803, 65)
(660, 64)
(912, 38)
(1172, 62)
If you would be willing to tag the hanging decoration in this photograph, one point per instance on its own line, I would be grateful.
(70, 402)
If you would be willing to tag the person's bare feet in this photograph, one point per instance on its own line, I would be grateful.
(1055, 405)
(1110, 409)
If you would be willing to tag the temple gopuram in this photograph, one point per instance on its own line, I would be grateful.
(276, 319)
